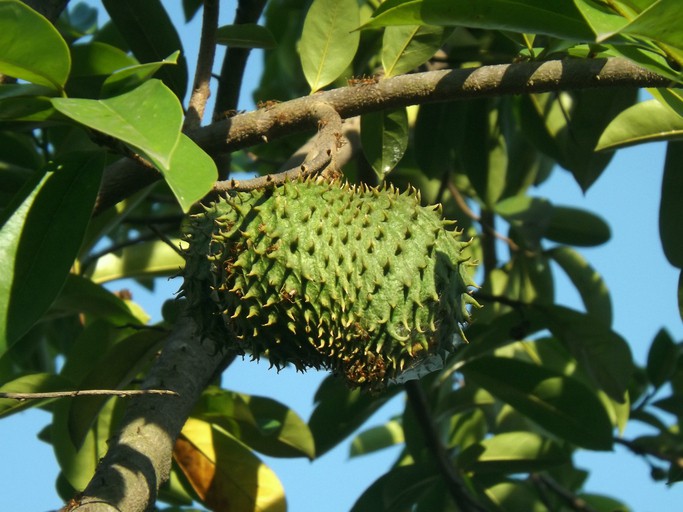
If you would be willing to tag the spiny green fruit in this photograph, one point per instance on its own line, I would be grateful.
(363, 281)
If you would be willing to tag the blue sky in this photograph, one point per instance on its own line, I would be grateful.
(643, 287)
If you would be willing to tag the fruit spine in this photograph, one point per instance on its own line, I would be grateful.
(363, 281)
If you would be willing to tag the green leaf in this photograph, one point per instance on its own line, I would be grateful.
(377, 438)
(438, 131)
(397, 489)
(659, 22)
(246, 35)
(129, 78)
(603, 354)
(41, 233)
(513, 495)
(671, 206)
(647, 121)
(81, 295)
(34, 383)
(259, 422)
(559, 19)
(603, 21)
(560, 404)
(114, 370)
(573, 226)
(339, 411)
(132, 19)
(148, 118)
(329, 40)
(96, 58)
(221, 470)
(384, 136)
(513, 452)
(191, 173)
(662, 359)
(603, 503)
(147, 259)
(407, 47)
(32, 49)
(588, 282)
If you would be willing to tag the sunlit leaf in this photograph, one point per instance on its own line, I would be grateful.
(515, 494)
(128, 78)
(377, 438)
(41, 233)
(329, 40)
(647, 121)
(224, 473)
(587, 281)
(602, 20)
(191, 172)
(558, 403)
(246, 35)
(146, 259)
(384, 136)
(259, 422)
(32, 49)
(560, 19)
(513, 452)
(404, 48)
(148, 118)
(132, 18)
(659, 22)
(671, 206)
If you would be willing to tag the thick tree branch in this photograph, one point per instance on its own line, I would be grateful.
(139, 457)
(293, 116)
(121, 393)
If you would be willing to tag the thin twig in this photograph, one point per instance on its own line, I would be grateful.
(454, 484)
(320, 158)
(86, 392)
(207, 49)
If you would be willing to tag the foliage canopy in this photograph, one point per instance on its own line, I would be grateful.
(102, 155)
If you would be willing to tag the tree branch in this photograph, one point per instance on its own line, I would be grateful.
(293, 116)
(454, 484)
(207, 50)
(139, 457)
(87, 392)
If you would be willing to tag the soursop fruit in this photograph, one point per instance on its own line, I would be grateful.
(363, 281)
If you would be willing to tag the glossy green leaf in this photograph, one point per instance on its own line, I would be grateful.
(671, 206)
(513, 494)
(397, 489)
(377, 438)
(81, 295)
(31, 109)
(662, 359)
(339, 411)
(148, 118)
(24, 90)
(259, 422)
(246, 35)
(147, 259)
(132, 18)
(404, 48)
(561, 19)
(41, 233)
(130, 77)
(34, 383)
(604, 355)
(95, 58)
(221, 470)
(560, 404)
(659, 22)
(32, 49)
(573, 226)
(329, 40)
(384, 136)
(191, 173)
(603, 20)
(438, 132)
(647, 121)
(78, 464)
(588, 282)
(114, 370)
(513, 452)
